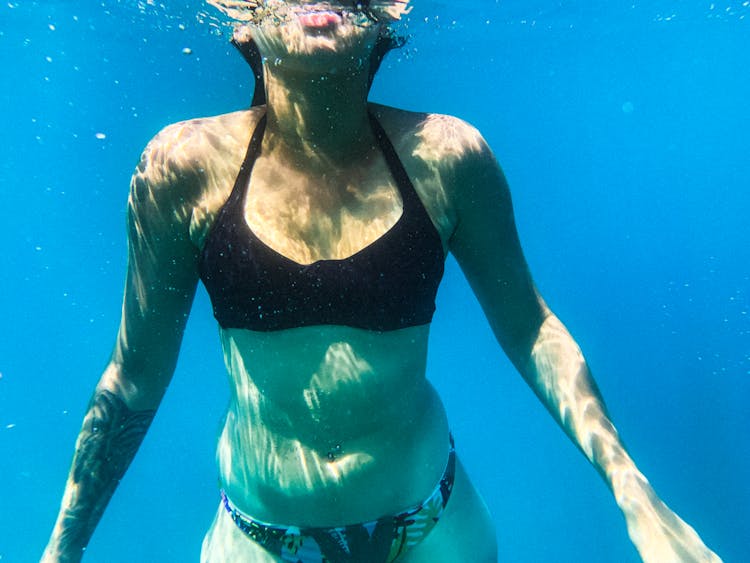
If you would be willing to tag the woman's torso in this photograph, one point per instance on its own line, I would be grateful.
(326, 424)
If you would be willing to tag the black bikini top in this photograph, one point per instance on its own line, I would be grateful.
(388, 285)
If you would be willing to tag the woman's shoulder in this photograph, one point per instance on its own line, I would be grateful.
(179, 159)
(189, 146)
(182, 162)
(449, 157)
(437, 139)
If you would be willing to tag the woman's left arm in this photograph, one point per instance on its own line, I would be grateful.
(485, 243)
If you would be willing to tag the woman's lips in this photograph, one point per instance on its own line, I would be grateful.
(319, 19)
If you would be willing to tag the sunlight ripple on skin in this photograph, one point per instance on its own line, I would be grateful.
(444, 141)
(340, 366)
(302, 228)
(268, 455)
(445, 137)
(561, 378)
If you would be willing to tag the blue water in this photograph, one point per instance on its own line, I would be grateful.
(623, 131)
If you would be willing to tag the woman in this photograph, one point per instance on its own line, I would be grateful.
(319, 224)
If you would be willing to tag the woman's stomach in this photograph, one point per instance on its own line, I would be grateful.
(330, 425)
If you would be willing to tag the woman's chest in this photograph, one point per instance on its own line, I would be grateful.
(307, 217)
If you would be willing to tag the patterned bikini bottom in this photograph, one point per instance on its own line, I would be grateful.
(379, 541)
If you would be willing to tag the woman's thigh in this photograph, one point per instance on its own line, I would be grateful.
(464, 533)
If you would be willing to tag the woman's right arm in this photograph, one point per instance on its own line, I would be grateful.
(160, 285)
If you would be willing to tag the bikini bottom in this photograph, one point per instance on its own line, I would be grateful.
(379, 541)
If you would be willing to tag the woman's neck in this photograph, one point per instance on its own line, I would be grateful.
(318, 117)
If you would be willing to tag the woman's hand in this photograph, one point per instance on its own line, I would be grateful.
(659, 535)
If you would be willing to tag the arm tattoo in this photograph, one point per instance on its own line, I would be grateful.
(109, 439)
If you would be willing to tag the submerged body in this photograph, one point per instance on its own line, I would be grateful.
(327, 424)
(321, 415)
(332, 423)
(306, 441)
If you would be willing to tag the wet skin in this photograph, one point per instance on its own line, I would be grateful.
(335, 425)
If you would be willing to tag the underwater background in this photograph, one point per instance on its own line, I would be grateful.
(623, 130)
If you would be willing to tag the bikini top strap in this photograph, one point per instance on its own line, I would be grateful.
(403, 182)
(253, 151)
